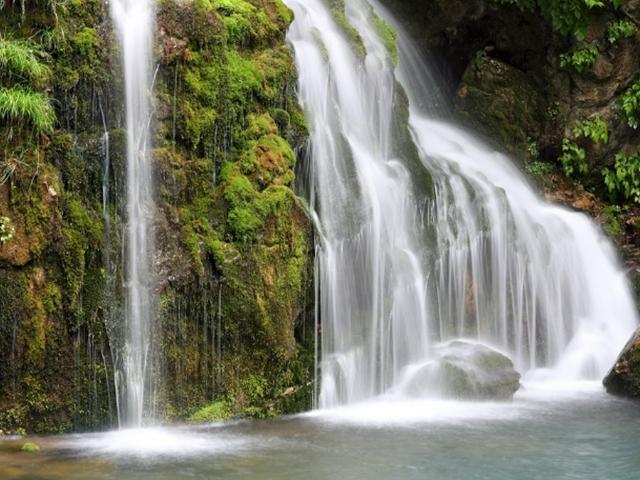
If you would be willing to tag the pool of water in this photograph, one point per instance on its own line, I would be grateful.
(577, 434)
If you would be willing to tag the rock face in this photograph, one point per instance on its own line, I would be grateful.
(499, 99)
(465, 371)
(509, 79)
(624, 377)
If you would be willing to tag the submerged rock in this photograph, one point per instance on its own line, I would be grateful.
(465, 371)
(624, 377)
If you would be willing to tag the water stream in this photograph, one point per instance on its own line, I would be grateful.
(134, 24)
(428, 235)
(583, 435)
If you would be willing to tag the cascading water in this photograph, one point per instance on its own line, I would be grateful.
(408, 259)
(134, 23)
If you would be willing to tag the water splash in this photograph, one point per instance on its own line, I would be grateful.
(134, 24)
(428, 235)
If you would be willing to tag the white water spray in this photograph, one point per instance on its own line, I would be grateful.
(408, 259)
(134, 24)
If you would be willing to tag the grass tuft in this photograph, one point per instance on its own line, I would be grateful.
(22, 59)
(24, 107)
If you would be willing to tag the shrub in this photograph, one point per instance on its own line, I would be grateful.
(631, 105)
(623, 181)
(567, 16)
(620, 29)
(581, 57)
(574, 157)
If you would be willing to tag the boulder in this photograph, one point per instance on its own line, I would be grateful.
(624, 377)
(464, 371)
(502, 102)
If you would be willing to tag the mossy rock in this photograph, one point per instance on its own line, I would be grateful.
(624, 377)
(503, 103)
(465, 371)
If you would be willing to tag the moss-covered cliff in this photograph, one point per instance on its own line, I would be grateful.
(234, 245)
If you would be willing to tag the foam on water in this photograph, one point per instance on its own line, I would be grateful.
(158, 442)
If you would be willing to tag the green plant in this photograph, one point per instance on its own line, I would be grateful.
(581, 57)
(338, 12)
(388, 36)
(215, 412)
(595, 129)
(23, 107)
(631, 105)
(623, 181)
(532, 148)
(6, 229)
(567, 16)
(21, 59)
(574, 157)
(613, 216)
(481, 57)
(539, 169)
(553, 111)
(620, 29)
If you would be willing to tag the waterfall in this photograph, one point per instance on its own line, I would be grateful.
(428, 235)
(133, 20)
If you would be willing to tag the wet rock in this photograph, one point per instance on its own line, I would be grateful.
(465, 371)
(502, 102)
(624, 377)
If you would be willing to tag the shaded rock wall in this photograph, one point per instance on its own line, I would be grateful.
(516, 82)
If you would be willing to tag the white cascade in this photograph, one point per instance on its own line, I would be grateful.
(428, 235)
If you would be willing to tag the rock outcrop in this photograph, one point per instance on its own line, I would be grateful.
(624, 377)
(463, 371)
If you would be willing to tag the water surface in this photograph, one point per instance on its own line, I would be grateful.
(541, 435)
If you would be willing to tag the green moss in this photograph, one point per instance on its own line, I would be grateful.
(215, 412)
(86, 42)
(388, 36)
(338, 11)
(245, 80)
(30, 447)
(260, 125)
(83, 230)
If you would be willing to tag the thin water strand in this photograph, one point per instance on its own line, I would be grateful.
(134, 24)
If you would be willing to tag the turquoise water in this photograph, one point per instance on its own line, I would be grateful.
(582, 435)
